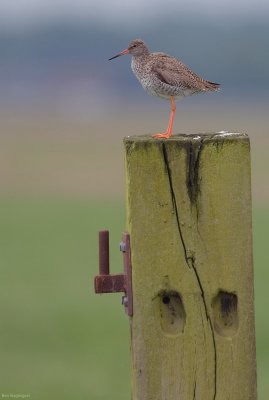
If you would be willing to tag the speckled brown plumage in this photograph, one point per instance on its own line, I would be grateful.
(164, 76)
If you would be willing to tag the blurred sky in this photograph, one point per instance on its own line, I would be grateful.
(19, 13)
(54, 53)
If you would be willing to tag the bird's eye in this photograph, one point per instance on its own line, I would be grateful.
(134, 45)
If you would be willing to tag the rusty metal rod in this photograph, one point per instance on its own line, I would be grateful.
(103, 252)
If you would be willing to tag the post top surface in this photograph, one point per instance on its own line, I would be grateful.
(181, 137)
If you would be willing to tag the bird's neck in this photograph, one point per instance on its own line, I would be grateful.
(141, 56)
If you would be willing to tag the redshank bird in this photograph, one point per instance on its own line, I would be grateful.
(164, 76)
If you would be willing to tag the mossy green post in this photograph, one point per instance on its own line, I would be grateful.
(189, 219)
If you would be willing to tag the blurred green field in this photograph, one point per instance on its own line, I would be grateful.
(58, 340)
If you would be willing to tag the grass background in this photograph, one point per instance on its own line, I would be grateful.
(61, 184)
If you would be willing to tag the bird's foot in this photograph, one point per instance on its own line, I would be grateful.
(162, 135)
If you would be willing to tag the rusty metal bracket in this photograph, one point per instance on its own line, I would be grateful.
(108, 283)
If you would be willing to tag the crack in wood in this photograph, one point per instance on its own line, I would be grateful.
(194, 391)
(210, 325)
(194, 150)
(173, 197)
(193, 189)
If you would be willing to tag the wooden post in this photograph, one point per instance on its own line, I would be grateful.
(189, 219)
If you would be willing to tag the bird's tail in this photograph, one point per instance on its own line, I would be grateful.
(212, 86)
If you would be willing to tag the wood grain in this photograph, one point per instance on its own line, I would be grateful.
(189, 217)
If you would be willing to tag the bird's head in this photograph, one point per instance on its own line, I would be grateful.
(136, 48)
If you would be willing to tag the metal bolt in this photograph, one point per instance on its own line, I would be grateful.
(124, 301)
(123, 247)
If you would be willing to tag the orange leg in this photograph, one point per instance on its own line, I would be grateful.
(168, 132)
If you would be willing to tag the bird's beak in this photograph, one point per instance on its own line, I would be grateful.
(126, 51)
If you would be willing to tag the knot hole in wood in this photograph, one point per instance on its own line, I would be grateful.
(225, 313)
(171, 312)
